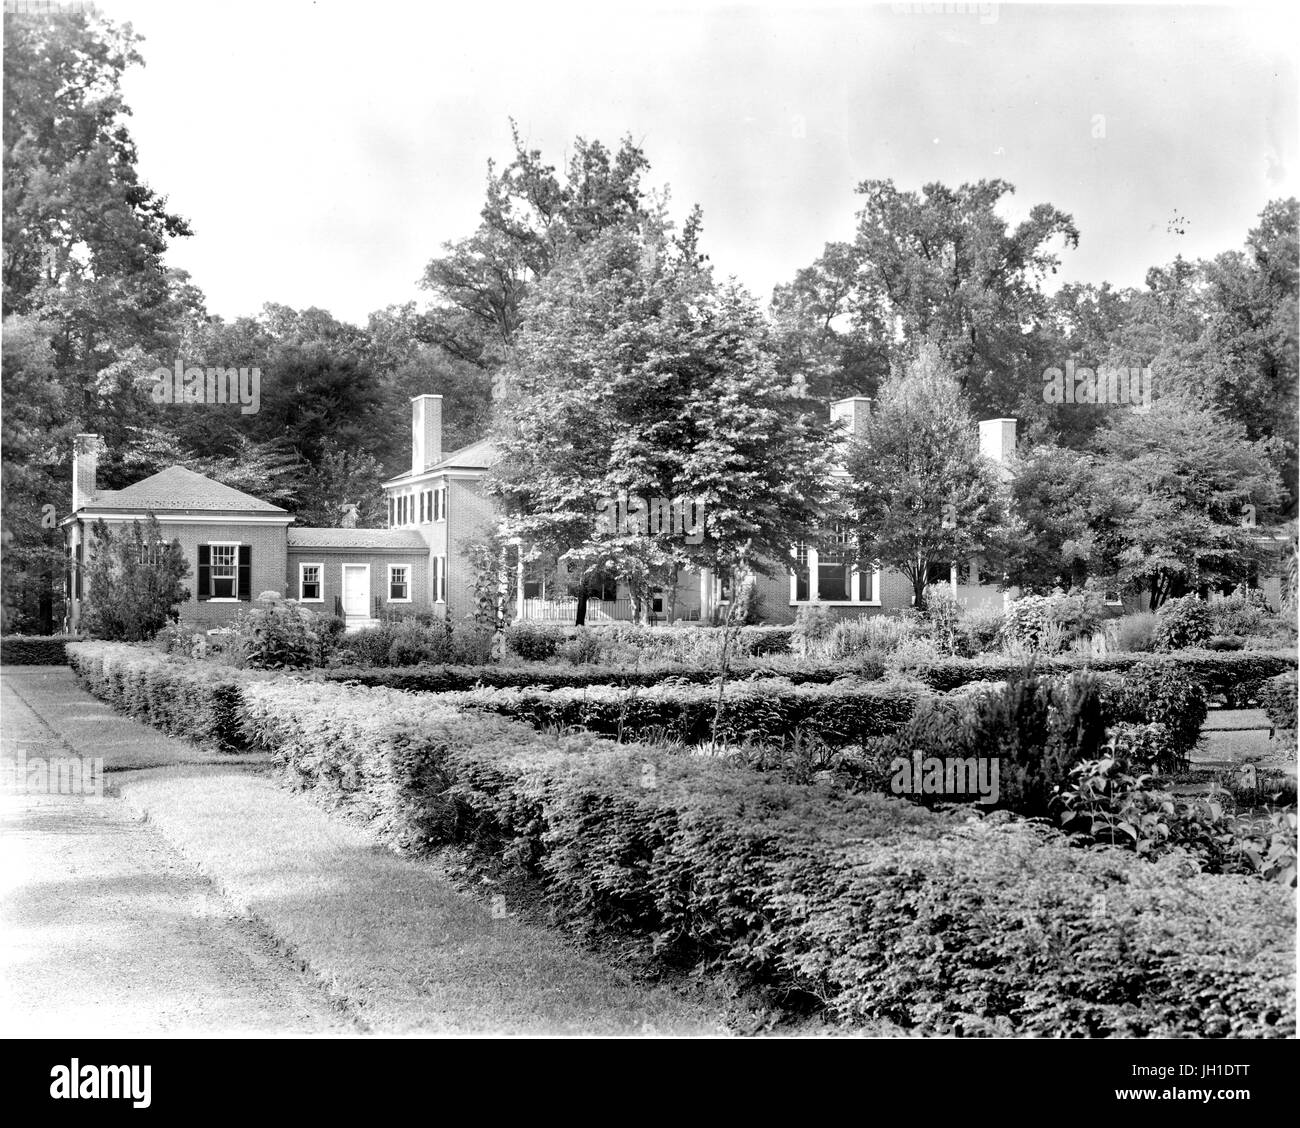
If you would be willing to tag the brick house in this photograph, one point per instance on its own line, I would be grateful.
(239, 546)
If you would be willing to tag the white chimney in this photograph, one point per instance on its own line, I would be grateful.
(853, 412)
(426, 432)
(85, 465)
(998, 440)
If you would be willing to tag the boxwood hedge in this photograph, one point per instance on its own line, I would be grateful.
(860, 905)
(35, 650)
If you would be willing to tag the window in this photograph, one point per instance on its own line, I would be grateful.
(225, 571)
(830, 574)
(1114, 598)
(534, 588)
(311, 588)
(399, 586)
(440, 579)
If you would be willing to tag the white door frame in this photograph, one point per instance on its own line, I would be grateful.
(364, 613)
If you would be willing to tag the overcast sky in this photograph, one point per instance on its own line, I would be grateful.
(323, 151)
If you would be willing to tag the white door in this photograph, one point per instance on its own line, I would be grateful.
(356, 590)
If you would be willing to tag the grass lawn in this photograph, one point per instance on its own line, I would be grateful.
(394, 943)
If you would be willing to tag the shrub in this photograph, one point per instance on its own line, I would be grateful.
(1027, 619)
(35, 650)
(369, 646)
(1036, 728)
(1136, 633)
(773, 710)
(1181, 623)
(1160, 692)
(180, 696)
(1112, 801)
(581, 650)
(981, 629)
(281, 635)
(1079, 612)
(1277, 697)
(414, 642)
(1241, 613)
(471, 644)
(859, 905)
(813, 625)
(534, 642)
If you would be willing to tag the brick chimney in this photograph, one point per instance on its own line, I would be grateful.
(85, 464)
(426, 432)
(998, 440)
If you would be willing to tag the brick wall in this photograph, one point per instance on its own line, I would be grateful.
(332, 561)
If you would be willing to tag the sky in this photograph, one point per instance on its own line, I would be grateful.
(324, 151)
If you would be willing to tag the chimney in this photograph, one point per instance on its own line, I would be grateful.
(85, 464)
(426, 432)
(853, 412)
(998, 440)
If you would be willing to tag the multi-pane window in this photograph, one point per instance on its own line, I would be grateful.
(310, 588)
(399, 588)
(225, 570)
(829, 574)
(440, 579)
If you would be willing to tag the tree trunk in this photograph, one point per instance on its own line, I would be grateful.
(580, 620)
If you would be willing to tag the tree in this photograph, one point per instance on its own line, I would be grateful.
(133, 581)
(943, 265)
(637, 376)
(531, 218)
(1068, 516)
(1195, 489)
(83, 271)
(919, 493)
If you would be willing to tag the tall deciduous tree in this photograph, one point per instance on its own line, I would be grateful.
(943, 265)
(1196, 489)
(919, 493)
(637, 375)
(531, 218)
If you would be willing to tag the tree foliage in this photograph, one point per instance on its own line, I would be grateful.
(133, 581)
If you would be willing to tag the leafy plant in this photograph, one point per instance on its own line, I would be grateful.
(1181, 623)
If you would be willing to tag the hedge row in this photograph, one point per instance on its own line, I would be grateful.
(1218, 672)
(180, 696)
(449, 679)
(865, 905)
(35, 650)
(771, 709)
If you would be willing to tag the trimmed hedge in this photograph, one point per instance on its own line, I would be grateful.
(861, 905)
(771, 709)
(1277, 697)
(866, 906)
(448, 679)
(181, 696)
(1218, 672)
(35, 650)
